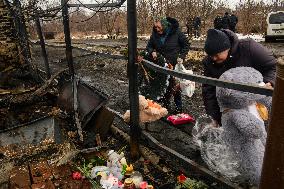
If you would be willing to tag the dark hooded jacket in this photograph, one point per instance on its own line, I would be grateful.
(226, 22)
(218, 22)
(243, 52)
(196, 22)
(175, 45)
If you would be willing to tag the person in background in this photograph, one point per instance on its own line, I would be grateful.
(218, 22)
(196, 25)
(233, 22)
(172, 44)
(189, 27)
(225, 51)
(226, 21)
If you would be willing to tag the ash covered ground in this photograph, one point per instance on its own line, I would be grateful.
(109, 75)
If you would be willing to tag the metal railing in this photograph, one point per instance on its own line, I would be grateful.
(211, 81)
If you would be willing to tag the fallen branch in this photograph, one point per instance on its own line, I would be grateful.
(15, 91)
(48, 83)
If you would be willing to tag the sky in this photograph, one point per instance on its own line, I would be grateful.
(232, 3)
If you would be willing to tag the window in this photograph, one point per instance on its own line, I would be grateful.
(277, 18)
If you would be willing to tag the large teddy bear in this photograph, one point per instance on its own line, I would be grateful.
(243, 127)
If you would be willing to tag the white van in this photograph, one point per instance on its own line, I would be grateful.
(275, 26)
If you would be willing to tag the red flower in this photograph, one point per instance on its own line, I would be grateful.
(181, 178)
(76, 176)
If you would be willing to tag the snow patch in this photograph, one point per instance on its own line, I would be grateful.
(256, 37)
(143, 37)
(201, 38)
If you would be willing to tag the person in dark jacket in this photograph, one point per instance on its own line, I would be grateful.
(218, 22)
(226, 21)
(225, 51)
(196, 25)
(171, 43)
(233, 22)
(189, 27)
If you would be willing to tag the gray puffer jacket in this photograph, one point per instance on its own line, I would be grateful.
(175, 45)
(243, 52)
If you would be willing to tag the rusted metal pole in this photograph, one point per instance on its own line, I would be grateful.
(69, 56)
(69, 59)
(210, 81)
(133, 83)
(42, 44)
(273, 166)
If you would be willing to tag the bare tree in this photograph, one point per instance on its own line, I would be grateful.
(143, 16)
(252, 15)
(108, 19)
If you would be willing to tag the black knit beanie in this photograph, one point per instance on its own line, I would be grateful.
(216, 42)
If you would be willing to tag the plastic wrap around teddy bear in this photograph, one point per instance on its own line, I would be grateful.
(236, 149)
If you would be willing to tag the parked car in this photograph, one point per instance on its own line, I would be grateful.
(275, 26)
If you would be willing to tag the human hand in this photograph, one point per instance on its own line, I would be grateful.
(154, 55)
(268, 85)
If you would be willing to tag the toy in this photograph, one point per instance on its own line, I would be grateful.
(244, 130)
(236, 149)
(149, 111)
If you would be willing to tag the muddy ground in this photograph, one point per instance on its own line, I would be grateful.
(109, 76)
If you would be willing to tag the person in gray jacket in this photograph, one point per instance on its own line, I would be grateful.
(225, 51)
(171, 43)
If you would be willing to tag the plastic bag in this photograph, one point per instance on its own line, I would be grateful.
(187, 86)
(214, 151)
